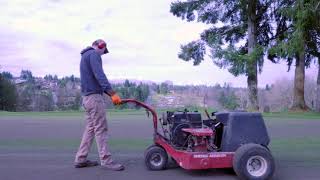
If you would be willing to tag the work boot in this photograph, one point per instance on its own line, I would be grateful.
(113, 166)
(86, 163)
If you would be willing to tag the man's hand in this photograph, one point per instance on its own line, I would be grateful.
(116, 100)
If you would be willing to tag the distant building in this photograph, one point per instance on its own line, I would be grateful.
(19, 81)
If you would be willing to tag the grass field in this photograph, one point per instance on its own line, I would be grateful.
(293, 115)
(129, 112)
(295, 143)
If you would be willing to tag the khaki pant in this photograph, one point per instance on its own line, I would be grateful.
(96, 126)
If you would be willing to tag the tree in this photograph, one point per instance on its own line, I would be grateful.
(55, 78)
(131, 90)
(26, 96)
(217, 86)
(268, 87)
(228, 99)
(158, 89)
(72, 78)
(8, 93)
(7, 75)
(62, 82)
(164, 88)
(26, 75)
(43, 101)
(238, 45)
(297, 38)
(318, 88)
(142, 92)
(77, 102)
(127, 83)
(48, 77)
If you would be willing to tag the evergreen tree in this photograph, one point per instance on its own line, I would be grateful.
(7, 75)
(297, 40)
(228, 99)
(239, 44)
(27, 75)
(8, 93)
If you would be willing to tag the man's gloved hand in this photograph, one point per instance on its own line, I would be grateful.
(116, 100)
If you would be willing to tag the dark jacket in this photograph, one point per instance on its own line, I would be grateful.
(93, 79)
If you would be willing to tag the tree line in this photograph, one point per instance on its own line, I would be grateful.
(53, 93)
(50, 93)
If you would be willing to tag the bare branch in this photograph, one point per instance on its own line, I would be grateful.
(317, 7)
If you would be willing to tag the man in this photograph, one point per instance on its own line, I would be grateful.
(94, 84)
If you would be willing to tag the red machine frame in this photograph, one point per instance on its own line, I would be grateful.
(186, 159)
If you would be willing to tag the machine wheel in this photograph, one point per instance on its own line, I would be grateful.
(148, 148)
(253, 161)
(156, 158)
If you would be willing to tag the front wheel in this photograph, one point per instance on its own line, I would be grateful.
(156, 158)
(253, 161)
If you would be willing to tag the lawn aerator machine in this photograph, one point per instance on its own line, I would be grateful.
(237, 140)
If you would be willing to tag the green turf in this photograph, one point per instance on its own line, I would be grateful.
(301, 151)
(66, 113)
(130, 112)
(43, 114)
(116, 144)
(293, 115)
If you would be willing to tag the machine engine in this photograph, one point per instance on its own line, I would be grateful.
(180, 126)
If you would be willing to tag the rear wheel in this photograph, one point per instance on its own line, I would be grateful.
(156, 158)
(253, 161)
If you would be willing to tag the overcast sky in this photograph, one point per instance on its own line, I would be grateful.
(143, 37)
